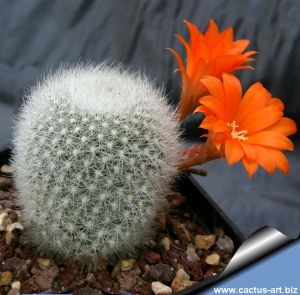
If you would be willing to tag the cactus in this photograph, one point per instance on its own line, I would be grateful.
(95, 154)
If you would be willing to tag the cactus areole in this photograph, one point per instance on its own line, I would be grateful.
(95, 154)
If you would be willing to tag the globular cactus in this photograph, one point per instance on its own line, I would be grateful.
(95, 155)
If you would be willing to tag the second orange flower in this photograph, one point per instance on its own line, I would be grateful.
(212, 53)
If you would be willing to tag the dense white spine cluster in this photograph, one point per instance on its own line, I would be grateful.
(95, 154)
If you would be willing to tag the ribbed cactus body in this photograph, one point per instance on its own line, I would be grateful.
(95, 154)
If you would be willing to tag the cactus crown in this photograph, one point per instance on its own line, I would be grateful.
(95, 154)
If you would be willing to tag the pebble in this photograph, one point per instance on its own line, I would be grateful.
(213, 259)
(162, 220)
(179, 284)
(152, 257)
(43, 263)
(90, 278)
(176, 200)
(151, 243)
(127, 264)
(160, 288)
(4, 219)
(160, 272)
(16, 225)
(5, 182)
(181, 273)
(181, 281)
(6, 169)
(191, 254)
(205, 241)
(14, 291)
(16, 285)
(5, 278)
(13, 263)
(127, 280)
(197, 272)
(224, 243)
(166, 243)
(210, 273)
(9, 237)
(45, 277)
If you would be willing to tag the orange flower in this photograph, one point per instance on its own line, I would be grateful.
(212, 53)
(249, 128)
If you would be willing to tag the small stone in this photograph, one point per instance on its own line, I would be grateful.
(160, 272)
(45, 277)
(5, 203)
(43, 263)
(5, 182)
(127, 280)
(176, 200)
(205, 241)
(151, 243)
(152, 257)
(6, 169)
(90, 278)
(13, 291)
(181, 281)
(197, 272)
(162, 218)
(15, 225)
(210, 273)
(191, 254)
(166, 243)
(181, 273)
(13, 263)
(4, 219)
(224, 243)
(180, 230)
(160, 288)
(213, 259)
(127, 264)
(12, 215)
(16, 285)
(179, 284)
(5, 278)
(9, 237)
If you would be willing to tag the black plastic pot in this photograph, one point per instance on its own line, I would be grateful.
(203, 205)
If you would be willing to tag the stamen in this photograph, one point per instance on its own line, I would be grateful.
(240, 135)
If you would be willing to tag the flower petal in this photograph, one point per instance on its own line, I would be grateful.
(280, 160)
(255, 98)
(214, 86)
(250, 165)
(233, 151)
(265, 159)
(215, 105)
(233, 93)
(258, 121)
(285, 126)
(249, 149)
(271, 139)
(208, 122)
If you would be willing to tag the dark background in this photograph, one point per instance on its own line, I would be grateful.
(38, 35)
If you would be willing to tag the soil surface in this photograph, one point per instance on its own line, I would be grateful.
(183, 253)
